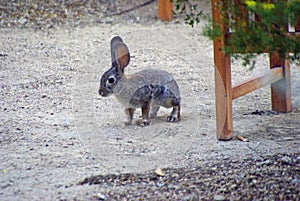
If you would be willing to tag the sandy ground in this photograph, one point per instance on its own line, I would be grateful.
(56, 130)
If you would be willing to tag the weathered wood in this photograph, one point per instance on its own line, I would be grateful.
(242, 17)
(258, 82)
(233, 49)
(278, 76)
(297, 27)
(281, 90)
(165, 10)
(223, 89)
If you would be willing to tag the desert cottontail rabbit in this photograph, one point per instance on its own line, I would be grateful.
(147, 89)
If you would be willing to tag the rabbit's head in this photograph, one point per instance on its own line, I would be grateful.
(120, 58)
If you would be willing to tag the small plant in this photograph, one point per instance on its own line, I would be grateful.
(257, 27)
(190, 10)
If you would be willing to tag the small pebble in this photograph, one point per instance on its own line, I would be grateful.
(219, 198)
(296, 181)
(298, 160)
(160, 184)
(267, 162)
(159, 172)
(286, 160)
(101, 196)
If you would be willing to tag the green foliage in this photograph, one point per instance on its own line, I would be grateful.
(264, 31)
(189, 10)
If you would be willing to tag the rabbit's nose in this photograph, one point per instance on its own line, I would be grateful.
(100, 92)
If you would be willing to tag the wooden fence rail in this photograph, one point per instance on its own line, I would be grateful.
(278, 75)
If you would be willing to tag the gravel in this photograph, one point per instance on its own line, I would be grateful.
(52, 13)
(275, 177)
(267, 177)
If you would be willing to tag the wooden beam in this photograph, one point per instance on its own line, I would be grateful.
(229, 36)
(297, 27)
(258, 82)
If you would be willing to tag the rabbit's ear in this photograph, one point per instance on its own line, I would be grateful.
(121, 54)
(114, 41)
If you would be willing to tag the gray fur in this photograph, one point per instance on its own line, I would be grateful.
(146, 89)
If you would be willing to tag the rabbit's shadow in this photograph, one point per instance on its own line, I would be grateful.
(162, 119)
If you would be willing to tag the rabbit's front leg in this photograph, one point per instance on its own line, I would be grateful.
(129, 115)
(153, 111)
(145, 121)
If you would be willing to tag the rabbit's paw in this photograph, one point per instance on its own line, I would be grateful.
(172, 118)
(142, 122)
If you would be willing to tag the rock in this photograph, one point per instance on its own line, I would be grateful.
(296, 181)
(22, 20)
(267, 162)
(101, 196)
(219, 197)
(286, 160)
(159, 172)
(298, 160)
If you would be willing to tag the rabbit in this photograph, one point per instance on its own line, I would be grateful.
(147, 89)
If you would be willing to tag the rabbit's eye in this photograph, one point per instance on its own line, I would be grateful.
(111, 80)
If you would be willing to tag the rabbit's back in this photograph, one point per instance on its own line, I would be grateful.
(158, 86)
(157, 78)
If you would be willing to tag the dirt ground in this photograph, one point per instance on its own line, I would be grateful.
(56, 130)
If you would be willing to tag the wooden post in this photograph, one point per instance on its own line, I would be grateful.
(223, 89)
(165, 10)
(281, 90)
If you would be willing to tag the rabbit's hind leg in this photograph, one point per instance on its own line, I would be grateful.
(175, 114)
